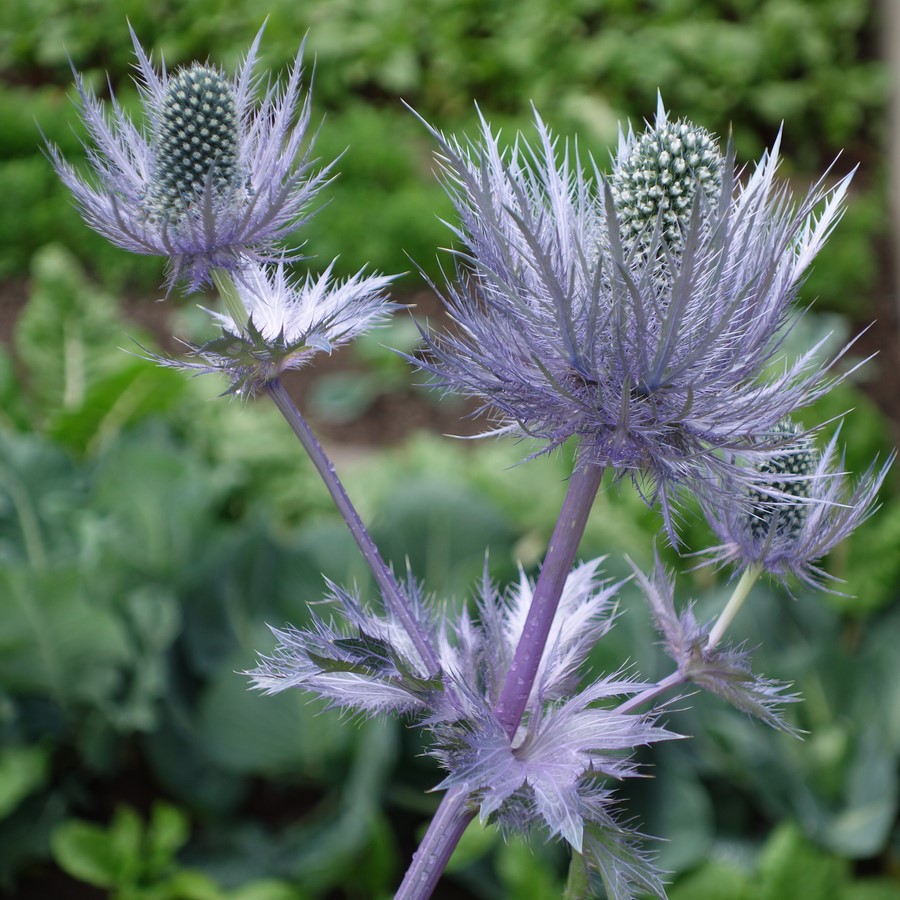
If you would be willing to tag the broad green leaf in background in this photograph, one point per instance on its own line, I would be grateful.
(22, 771)
(282, 735)
(443, 529)
(54, 641)
(104, 857)
(84, 388)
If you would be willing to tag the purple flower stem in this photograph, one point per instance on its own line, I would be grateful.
(384, 578)
(583, 487)
(444, 832)
(453, 816)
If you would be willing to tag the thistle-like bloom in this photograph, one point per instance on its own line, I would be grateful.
(723, 671)
(648, 338)
(288, 322)
(216, 175)
(799, 506)
(552, 772)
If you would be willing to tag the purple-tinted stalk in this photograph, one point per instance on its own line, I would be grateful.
(583, 487)
(384, 578)
(453, 816)
(444, 832)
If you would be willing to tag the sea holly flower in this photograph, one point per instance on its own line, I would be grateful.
(287, 322)
(799, 506)
(723, 671)
(659, 361)
(216, 175)
(570, 743)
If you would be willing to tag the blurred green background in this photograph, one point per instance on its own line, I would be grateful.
(149, 530)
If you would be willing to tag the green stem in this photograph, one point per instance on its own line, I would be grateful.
(578, 884)
(741, 591)
(231, 299)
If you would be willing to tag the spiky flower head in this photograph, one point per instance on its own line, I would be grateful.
(552, 773)
(659, 362)
(800, 505)
(287, 323)
(660, 175)
(215, 176)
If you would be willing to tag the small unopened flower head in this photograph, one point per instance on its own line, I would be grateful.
(197, 144)
(724, 671)
(800, 506)
(219, 173)
(785, 475)
(659, 176)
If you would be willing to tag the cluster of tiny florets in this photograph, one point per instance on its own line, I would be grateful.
(197, 141)
(798, 461)
(660, 176)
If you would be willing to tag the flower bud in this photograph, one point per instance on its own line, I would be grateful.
(197, 141)
(798, 461)
(658, 175)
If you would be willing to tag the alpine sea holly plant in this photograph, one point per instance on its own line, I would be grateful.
(639, 314)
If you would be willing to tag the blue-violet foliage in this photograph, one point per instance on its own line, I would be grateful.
(554, 771)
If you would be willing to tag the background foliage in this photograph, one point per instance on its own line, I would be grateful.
(149, 530)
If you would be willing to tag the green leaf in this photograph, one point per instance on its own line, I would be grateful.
(22, 771)
(715, 881)
(527, 872)
(54, 640)
(246, 732)
(680, 813)
(861, 829)
(185, 884)
(139, 389)
(40, 493)
(105, 858)
(791, 867)
(267, 890)
(167, 833)
(442, 528)
(476, 843)
(873, 889)
(342, 397)
(68, 336)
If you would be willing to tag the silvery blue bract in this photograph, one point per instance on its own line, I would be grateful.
(555, 770)
(288, 321)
